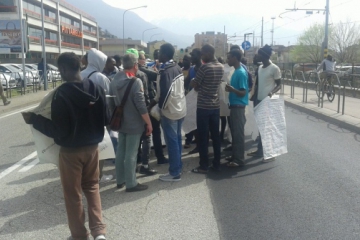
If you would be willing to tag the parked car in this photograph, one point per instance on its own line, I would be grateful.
(305, 67)
(30, 72)
(6, 81)
(350, 70)
(342, 70)
(14, 73)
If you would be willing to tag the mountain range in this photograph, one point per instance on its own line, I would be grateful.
(111, 19)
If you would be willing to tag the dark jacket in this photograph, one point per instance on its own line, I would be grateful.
(78, 115)
(152, 77)
(144, 79)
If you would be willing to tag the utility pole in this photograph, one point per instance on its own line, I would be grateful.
(262, 32)
(325, 44)
(326, 38)
(22, 41)
(43, 47)
(272, 31)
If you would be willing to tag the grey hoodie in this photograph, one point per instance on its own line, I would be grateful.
(96, 63)
(132, 122)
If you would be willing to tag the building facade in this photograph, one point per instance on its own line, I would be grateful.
(152, 46)
(113, 47)
(67, 29)
(217, 40)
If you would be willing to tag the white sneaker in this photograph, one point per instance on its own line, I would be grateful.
(169, 178)
(106, 178)
(268, 160)
(100, 237)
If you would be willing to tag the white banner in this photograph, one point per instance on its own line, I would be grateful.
(189, 123)
(48, 150)
(270, 119)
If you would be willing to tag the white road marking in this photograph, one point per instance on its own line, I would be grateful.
(19, 111)
(29, 166)
(18, 164)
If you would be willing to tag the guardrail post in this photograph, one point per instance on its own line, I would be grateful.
(343, 103)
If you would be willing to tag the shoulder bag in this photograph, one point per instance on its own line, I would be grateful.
(115, 122)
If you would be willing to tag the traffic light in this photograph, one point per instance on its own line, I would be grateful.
(181, 50)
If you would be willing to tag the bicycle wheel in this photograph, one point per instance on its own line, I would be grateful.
(318, 89)
(330, 92)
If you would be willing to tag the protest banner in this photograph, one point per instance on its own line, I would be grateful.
(48, 150)
(270, 119)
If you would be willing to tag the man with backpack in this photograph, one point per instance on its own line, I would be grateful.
(78, 117)
(96, 63)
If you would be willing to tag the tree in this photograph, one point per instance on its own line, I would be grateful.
(309, 45)
(345, 40)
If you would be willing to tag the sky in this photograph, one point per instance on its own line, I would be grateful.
(247, 16)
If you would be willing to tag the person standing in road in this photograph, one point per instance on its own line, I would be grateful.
(238, 100)
(207, 82)
(5, 101)
(133, 122)
(96, 63)
(110, 69)
(196, 64)
(156, 134)
(170, 96)
(78, 117)
(269, 82)
(118, 62)
(144, 149)
(186, 63)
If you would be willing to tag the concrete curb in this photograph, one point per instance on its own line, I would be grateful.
(343, 121)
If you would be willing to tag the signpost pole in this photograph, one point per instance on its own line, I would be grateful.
(43, 47)
(22, 31)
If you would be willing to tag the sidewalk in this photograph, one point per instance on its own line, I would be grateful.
(350, 120)
(21, 101)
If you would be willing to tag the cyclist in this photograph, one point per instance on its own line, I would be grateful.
(327, 65)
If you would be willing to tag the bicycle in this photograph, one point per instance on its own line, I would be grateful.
(325, 85)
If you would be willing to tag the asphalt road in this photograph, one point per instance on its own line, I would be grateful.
(309, 193)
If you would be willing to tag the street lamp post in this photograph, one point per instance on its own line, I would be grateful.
(142, 38)
(124, 24)
(246, 34)
(154, 35)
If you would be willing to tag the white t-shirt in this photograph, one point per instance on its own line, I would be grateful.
(266, 78)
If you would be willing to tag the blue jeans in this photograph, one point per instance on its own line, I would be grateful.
(208, 120)
(172, 134)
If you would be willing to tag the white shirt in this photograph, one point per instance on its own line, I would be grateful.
(266, 78)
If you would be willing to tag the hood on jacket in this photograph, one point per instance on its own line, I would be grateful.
(96, 60)
(83, 94)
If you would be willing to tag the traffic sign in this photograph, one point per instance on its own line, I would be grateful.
(246, 45)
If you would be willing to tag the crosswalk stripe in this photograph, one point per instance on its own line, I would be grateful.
(18, 164)
(29, 166)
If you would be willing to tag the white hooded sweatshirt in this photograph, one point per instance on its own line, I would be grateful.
(96, 63)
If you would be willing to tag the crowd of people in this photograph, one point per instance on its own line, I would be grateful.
(153, 97)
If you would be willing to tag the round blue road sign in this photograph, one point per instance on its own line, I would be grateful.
(246, 45)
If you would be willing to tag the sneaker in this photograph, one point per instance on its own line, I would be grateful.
(169, 178)
(163, 161)
(195, 150)
(106, 178)
(137, 188)
(147, 171)
(255, 154)
(100, 237)
(187, 145)
(7, 103)
(119, 186)
(268, 160)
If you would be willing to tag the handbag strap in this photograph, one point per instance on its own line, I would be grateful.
(127, 92)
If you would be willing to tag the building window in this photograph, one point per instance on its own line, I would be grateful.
(35, 32)
(7, 6)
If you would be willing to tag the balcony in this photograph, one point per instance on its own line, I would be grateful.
(70, 45)
(38, 16)
(87, 47)
(37, 40)
(90, 33)
(8, 9)
(69, 26)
